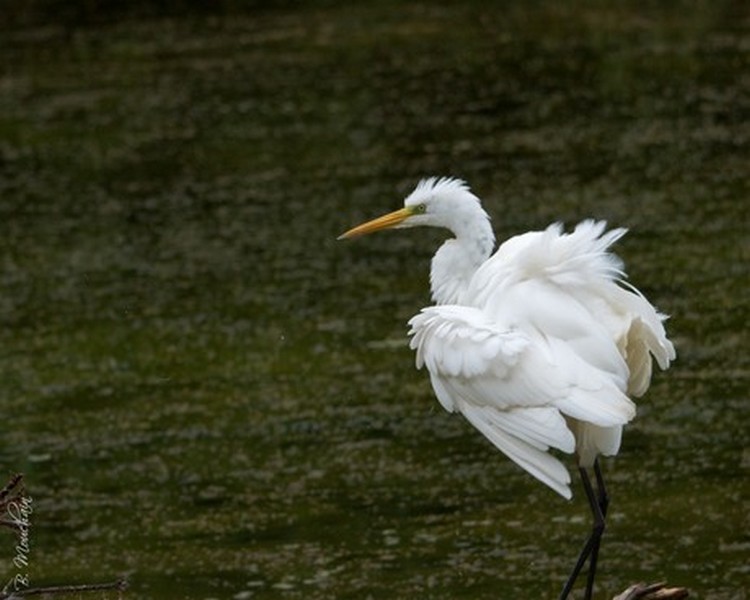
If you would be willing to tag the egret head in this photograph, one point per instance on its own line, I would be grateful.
(437, 202)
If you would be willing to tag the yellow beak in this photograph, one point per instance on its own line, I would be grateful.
(390, 220)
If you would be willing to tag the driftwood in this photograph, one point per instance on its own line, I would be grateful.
(654, 591)
(56, 590)
(10, 493)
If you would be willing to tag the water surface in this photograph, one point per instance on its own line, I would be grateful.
(209, 394)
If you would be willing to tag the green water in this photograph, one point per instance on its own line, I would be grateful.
(209, 394)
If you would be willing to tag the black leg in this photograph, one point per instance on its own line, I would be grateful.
(598, 503)
(601, 489)
(603, 503)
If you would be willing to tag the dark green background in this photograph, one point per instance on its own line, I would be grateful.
(209, 394)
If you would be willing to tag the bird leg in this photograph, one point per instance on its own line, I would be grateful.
(601, 489)
(602, 503)
(598, 502)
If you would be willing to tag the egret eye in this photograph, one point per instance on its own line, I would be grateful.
(421, 208)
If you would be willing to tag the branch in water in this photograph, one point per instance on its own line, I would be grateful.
(119, 585)
(11, 491)
(655, 591)
(10, 486)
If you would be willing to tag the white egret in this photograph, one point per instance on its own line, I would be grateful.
(539, 345)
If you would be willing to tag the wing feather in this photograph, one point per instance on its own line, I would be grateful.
(537, 462)
(545, 349)
(511, 387)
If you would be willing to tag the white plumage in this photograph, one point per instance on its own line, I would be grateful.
(540, 344)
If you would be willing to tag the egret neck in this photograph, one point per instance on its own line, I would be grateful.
(458, 258)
